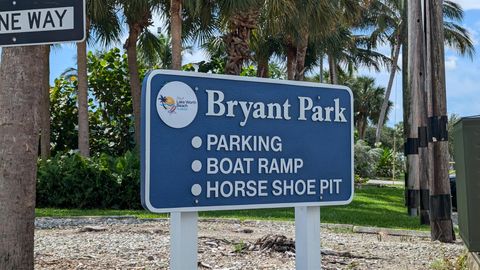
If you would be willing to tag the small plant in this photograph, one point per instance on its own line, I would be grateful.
(352, 265)
(445, 264)
(442, 264)
(239, 247)
(360, 180)
(461, 263)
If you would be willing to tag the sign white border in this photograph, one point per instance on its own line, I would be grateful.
(57, 42)
(153, 209)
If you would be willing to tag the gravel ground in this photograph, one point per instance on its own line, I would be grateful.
(130, 243)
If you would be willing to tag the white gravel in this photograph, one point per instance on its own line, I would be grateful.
(130, 243)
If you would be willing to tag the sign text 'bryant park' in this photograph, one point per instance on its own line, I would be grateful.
(213, 142)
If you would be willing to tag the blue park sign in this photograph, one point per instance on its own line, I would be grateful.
(213, 142)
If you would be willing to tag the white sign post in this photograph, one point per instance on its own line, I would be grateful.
(183, 240)
(307, 238)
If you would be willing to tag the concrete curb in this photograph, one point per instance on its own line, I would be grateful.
(394, 232)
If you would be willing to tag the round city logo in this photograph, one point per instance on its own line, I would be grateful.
(177, 104)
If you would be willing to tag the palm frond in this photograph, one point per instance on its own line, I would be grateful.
(458, 38)
(154, 50)
(452, 11)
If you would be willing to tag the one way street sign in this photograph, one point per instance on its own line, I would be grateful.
(29, 22)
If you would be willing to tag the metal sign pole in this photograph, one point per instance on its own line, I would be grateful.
(183, 240)
(307, 238)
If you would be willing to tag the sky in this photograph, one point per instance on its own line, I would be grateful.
(462, 73)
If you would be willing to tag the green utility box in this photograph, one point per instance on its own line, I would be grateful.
(467, 163)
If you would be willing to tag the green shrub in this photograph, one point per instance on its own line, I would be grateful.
(366, 159)
(127, 173)
(388, 159)
(71, 181)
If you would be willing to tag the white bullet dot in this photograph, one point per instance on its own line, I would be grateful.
(196, 142)
(196, 165)
(196, 190)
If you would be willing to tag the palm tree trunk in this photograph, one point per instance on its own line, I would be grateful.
(361, 127)
(45, 109)
(83, 129)
(321, 69)
(176, 30)
(262, 68)
(291, 62)
(332, 64)
(383, 111)
(135, 85)
(21, 78)
(237, 40)
(302, 45)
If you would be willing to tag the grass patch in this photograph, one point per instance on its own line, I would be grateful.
(371, 206)
(53, 212)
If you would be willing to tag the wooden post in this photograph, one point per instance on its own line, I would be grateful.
(419, 88)
(414, 84)
(425, 190)
(406, 94)
(440, 197)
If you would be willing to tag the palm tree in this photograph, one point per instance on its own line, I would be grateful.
(386, 18)
(176, 32)
(298, 23)
(138, 17)
(367, 102)
(102, 22)
(239, 18)
(233, 20)
(21, 70)
(83, 130)
(314, 18)
(270, 25)
(189, 20)
(44, 109)
(343, 48)
(264, 44)
(313, 22)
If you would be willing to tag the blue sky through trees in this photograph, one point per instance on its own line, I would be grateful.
(463, 74)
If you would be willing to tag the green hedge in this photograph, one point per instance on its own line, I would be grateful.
(71, 181)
